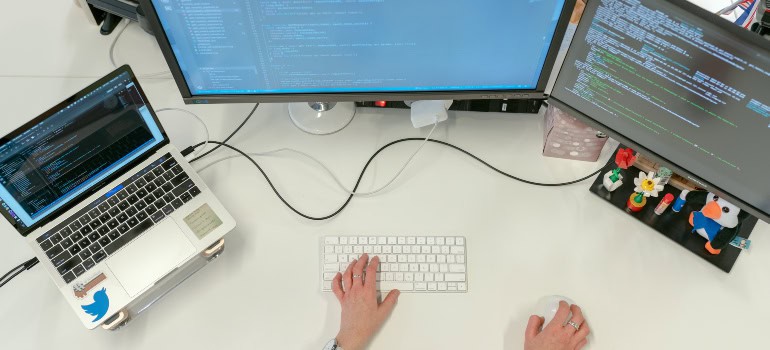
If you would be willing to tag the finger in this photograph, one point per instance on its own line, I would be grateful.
(582, 344)
(337, 287)
(581, 335)
(358, 270)
(387, 305)
(533, 327)
(561, 316)
(371, 273)
(576, 317)
(347, 277)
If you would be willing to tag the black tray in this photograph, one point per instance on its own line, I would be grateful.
(670, 224)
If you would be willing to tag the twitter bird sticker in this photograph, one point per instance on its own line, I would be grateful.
(100, 305)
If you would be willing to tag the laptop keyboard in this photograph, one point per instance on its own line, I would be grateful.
(109, 223)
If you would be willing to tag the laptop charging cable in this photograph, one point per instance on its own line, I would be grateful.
(18, 270)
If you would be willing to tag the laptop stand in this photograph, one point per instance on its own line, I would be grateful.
(163, 287)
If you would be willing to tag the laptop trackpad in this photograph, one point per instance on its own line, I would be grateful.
(150, 257)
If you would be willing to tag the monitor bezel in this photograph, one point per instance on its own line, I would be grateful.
(538, 93)
(101, 184)
(739, 33)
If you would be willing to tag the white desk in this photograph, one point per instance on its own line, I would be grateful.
(639, 290)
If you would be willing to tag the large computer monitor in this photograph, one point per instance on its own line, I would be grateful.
(224, 51)
(682, 85)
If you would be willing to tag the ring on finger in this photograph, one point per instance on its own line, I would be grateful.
(357, 276)
(574, 325)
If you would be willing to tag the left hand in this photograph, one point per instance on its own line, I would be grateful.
(362, 315)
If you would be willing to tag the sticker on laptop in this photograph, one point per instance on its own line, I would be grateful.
(100, 305)
(81, 289)
(203, 221)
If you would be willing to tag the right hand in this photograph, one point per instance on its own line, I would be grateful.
(556, 335)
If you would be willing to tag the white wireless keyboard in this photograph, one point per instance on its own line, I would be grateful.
(424, 264)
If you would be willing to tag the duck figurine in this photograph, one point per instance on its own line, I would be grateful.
(719, 221)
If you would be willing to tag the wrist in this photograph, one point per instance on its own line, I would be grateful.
(347, 343)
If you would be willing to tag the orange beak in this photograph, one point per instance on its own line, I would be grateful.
(712, 210)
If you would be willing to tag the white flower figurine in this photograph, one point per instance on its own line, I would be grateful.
(648, 184)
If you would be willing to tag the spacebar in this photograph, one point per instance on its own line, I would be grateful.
(128, 236)
(401, 286)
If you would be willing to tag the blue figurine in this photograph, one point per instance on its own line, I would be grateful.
(719, 221)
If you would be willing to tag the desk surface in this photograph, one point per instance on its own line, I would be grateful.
(639, 290)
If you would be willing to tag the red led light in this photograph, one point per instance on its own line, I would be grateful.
(381, 103)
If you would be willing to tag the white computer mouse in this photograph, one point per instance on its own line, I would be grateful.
(548, 305)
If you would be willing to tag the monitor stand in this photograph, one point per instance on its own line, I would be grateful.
(322, 118)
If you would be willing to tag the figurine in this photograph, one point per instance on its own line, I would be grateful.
(647, 185)
(624, 159)
(719, 221)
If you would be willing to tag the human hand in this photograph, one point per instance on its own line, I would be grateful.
(362, 315)
(557, 335)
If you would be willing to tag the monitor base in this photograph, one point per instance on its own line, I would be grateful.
(322, 118)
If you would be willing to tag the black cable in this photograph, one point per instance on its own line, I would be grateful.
(229, 137)
(18, 270)
(363, 171)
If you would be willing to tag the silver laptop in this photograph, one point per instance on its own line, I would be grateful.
(108, 205)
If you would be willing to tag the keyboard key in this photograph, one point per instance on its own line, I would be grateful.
(84, 219)
(78, 270)
(158, 193)
(160, 203)
(66, 243)
(183, 187)
(114, 211)
(88, 264)
(168, 209)
(158, 171)
(46, 245)
(159, 181)
(454, 277)
(123, 205)
(177, 169)
(149, 177)
(99, 256)
(84, 231)
(94, 213)
(94, 236)
(186, 197)
(75, 249)
(104, 241)
(84, 243)
(85, 254)
(105, 217)
(131, 189)
(141, 193)
(140, 205)
(68, 277)
(150, 188)
(61, 258)
(69, 265)
(95, 224)
(122, 217)
(112, 224)
(158, 216)
(56, 238)
(114, 235)
(168, 176)
(401, 286)
(167, 187)
(128, 237)
(131, 222)
(103, 230)
(104, 207)
(132, 199)
(113, 200)
(141, 216)
(131, 211)
(195, 191)
(94, 248)
(65, 232)
(75, 226)
(169, 164)
(122, 194)
(151, 209)
(54, 251)
(123, 228)
(140, 183)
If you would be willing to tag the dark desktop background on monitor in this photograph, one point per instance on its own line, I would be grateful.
(277, 48)
(688, 87)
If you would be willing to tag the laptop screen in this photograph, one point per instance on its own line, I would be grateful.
(46, 164)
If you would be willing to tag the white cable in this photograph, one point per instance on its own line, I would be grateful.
(329, 171)
(112, 54)
(205, 128)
